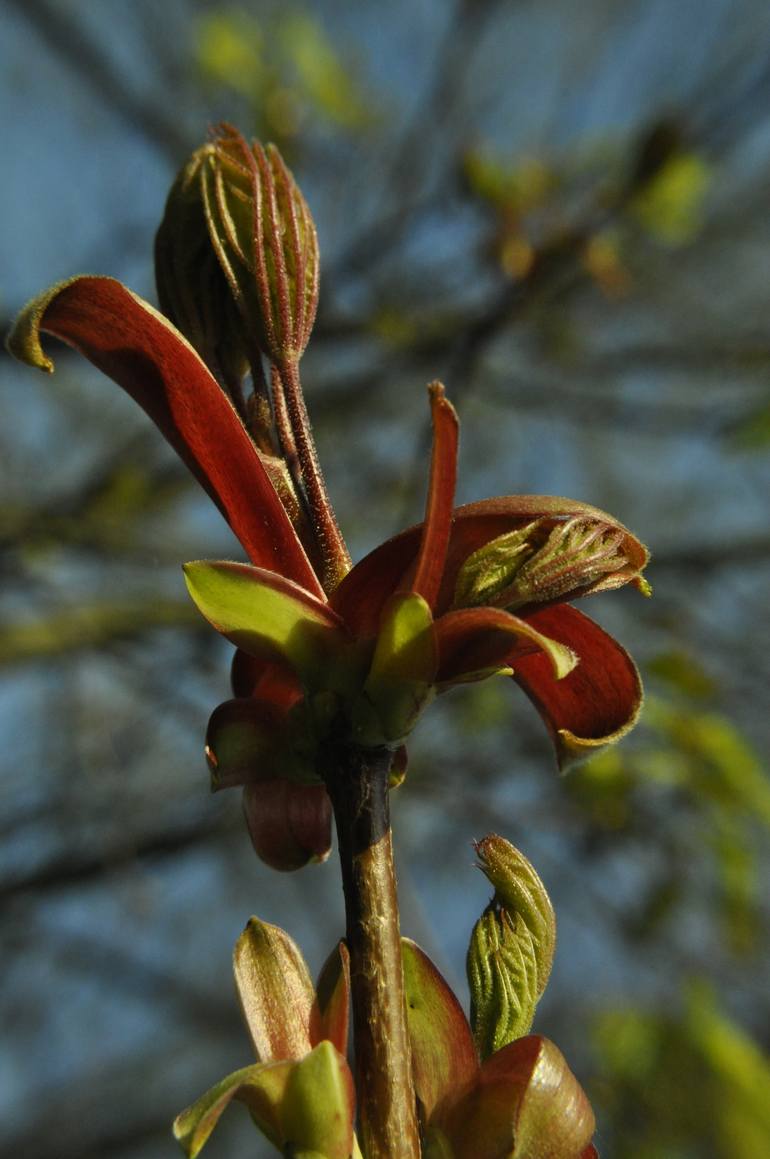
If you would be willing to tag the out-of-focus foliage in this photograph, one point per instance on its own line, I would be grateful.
(596, 204)
(718, 794)
(285, 66)
(670, 204)
(563, 214)
(690, 1082)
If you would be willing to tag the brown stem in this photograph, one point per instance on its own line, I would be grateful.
(332, 546)
(358, 786)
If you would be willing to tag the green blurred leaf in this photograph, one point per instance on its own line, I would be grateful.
(753, 434)
(738, 877)
(230, 49)
(741, 1076)
(684, 1083)
(717, 763)
(603, 787)
(683, 673)
(325, 79)
(285, 66)
(518, 187)
(91, 626)
(671, 205)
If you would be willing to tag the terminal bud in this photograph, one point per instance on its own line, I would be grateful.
(265, 240)
(192, 288)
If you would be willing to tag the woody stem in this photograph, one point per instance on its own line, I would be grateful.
(358, 787)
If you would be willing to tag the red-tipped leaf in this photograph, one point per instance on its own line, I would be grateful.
(598, 702)
(290, 825)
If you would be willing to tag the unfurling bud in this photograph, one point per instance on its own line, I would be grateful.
(265, 240)
(502, 975)
(511, 948)
(576, 554)
(546, 561)
(192, 289)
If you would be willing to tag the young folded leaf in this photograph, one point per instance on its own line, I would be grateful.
(511, 948)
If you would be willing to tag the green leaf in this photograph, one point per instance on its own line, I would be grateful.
(302, 1107)
(400, 680)
(265, 614)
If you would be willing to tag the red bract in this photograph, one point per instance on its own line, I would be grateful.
(470, 592)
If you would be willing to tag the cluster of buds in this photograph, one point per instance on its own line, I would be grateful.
(236, 256)
(485, 1090)
(331, 654)
(335, 663)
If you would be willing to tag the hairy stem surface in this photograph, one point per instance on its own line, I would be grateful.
(336, 559)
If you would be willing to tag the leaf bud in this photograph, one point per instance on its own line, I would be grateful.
(192, 288)
(265, 240)
(511, 948)
(275, 991)
(545, 561)
(502, 976)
